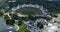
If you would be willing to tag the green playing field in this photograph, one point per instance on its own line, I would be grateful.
(29, 10)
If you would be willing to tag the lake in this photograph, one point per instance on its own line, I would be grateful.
(5, 28)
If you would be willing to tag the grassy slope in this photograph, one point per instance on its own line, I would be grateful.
(22, 28)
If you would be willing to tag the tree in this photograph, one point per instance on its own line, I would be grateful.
(40, 25)
(30, 17)
(14, 16)
(19, 21)
(10, 21)
(27, 30)
(54, 14)
(3, 3)
(6, 17)
(1, 13)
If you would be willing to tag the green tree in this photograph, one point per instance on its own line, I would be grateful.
(3, 3)
(10, 21)
(1, 13)
(27, 30)
(19, 21)
(14, 16)
(40, 25)
(30, 16)
(6, 17)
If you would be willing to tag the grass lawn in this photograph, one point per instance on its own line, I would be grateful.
(22, 28)
(3, 18)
